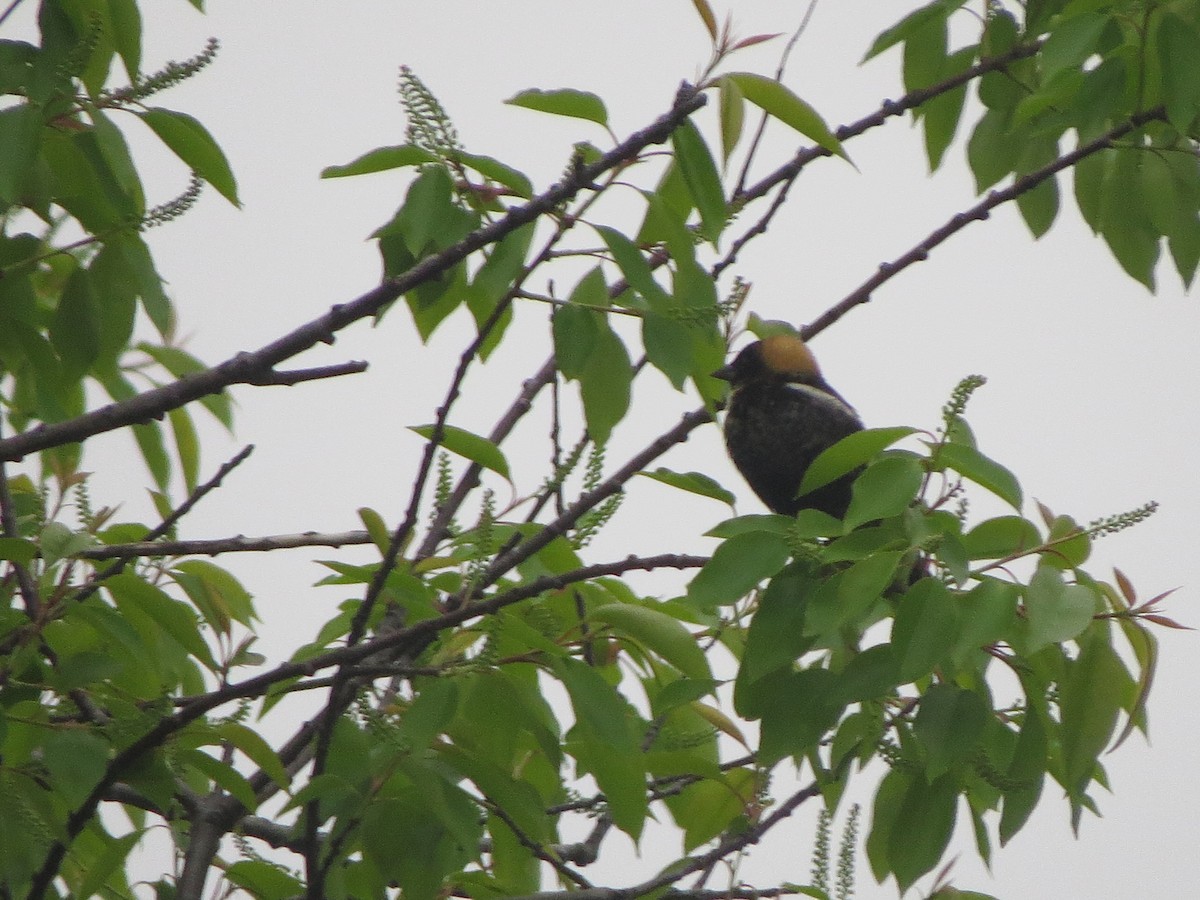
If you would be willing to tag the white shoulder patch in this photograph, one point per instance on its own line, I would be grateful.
(821, 396)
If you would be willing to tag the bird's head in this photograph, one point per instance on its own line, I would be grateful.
(780, 357)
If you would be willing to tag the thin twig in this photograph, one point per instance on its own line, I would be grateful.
(291, 377)
(779, 70)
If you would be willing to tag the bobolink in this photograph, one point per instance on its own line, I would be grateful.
(781, 414)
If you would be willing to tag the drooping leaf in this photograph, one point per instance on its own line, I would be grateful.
(381, 159)
(663, 634)
(563, 102)
(468, 445)
(982, 470)
(692, 482)
(191, 142)
(777, 101)
(702, 178)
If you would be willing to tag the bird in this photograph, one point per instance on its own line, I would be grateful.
(781, 414)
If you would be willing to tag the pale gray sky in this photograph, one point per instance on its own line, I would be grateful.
(1091, 380)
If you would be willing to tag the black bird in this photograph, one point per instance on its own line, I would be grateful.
(781, 414)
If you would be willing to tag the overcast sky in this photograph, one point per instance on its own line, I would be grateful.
(1092, 381)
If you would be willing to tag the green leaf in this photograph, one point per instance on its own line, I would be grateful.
(707, 809)
(264, 880)
(886, 488)
(692, 482)
(126, 35)
(493, 284)
(869, 675)
(702, 178)
(257, 750)
(736, 568)
(988, 613)
(18, 550)
(884, 815)
(191, 142)
(848, 454)
(776, 635)
(982, 470)
(1055, 611)
(1026, 772)
(799, 708)
(1071, 42)
(1088, 177)
(563, 102)
(20, 136)
(223, 775)
(57, 542)
(668, 344)
(925, 630)
(187, 446)
(777, 101)
(76, 761)
(429, 217)
(994, 148)
(911, 24)
(925, 57)
(76, 326)
(381, 159)
(469, 445)
(1001, 536)
(519, 799)
(605, 383)
(732, 112)
(1126, 225)
(922, 828)
(494, 170)
(605, 743)
(633, 265)
(171, 615)
(949, 724)
(1039, 205)
(941, 114)
(1179, 56)
(663, 634)
(110, 859)
(1091, 699)
(216, 593)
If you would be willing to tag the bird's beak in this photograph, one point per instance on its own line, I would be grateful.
(725, 373)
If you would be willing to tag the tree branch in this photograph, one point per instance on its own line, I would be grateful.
(887, 109)
(978, 212)
(245, 367)
(217, 546)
